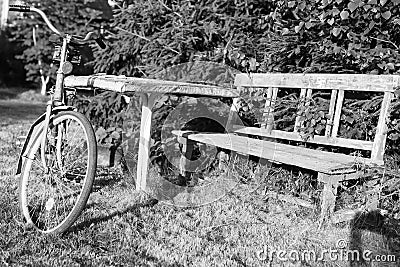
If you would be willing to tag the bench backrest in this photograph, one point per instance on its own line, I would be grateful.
(336, 85)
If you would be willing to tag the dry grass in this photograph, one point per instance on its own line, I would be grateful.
(121, 227)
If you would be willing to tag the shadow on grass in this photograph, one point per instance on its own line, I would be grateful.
(371, 237)
(96, 220)
(103, 180)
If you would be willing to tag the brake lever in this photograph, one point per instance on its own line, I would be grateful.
(97, 37)
(100, 43)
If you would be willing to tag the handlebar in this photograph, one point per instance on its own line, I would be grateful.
(89, 37)
(20, 8)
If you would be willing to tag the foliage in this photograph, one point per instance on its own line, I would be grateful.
(106, 111)
(74, 17)
(285, 36)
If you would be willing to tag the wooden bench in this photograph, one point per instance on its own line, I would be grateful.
(283, 147)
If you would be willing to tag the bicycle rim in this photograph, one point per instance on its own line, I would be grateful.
(51, 199)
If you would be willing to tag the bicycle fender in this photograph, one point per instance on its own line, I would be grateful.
(35, 127)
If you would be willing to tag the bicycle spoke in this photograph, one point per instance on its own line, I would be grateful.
(55, 194)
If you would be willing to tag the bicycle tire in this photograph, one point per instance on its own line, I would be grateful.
(52, 183)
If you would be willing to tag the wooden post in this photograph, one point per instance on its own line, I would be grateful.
(332, 104)
(3, 14)
(233, 117)
(269, 109)
(148, 101)
(297, 123)
(378, 147)
(338, 113)
(186, 158)
(328, 196)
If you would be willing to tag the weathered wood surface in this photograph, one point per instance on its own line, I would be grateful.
(123, 84)
(320, 161)
(357, 82)
(295, 136)
(378, 148)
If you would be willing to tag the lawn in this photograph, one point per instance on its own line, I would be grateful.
(123, 227)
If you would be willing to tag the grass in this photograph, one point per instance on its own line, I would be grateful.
(122, 227)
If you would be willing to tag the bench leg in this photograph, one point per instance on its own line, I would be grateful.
(328, 197)
(187, 152)
(148, 101)
(223, 160)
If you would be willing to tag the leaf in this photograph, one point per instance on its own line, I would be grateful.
(372, 2)
(319, 128)
(331, 21)
(390, 66)
(367, 7)
(253, 64)
(308, 25)
(382, 66)
(298, 28)
(383, 2)
(397, 93)
(394, 136)
(336, 31)
(291, 4)
(285, 31)
(387, 15)
(349, 119)
(371, 25)
(344, 15)
(336, 49)
(375, 71)
(335, 11)
(352, 6)
(396, 2)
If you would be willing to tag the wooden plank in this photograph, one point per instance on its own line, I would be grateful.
(331, 112)
(122, 84)
(269, 109)
(378, 148)
(148, 101)
(320, 161)
(291, 199)
(323, 140)
(357, 82)
(297, 123)
(233, 115)
(338, 113)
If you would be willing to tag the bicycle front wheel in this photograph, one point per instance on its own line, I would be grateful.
(52, 195)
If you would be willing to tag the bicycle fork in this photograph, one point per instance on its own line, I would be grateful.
(49, 109)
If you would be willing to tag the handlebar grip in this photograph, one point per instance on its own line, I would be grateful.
(100, 42)
(20, 8)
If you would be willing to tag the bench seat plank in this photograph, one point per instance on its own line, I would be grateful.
(320, 161)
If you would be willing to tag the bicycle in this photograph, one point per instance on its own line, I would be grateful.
(58, 161)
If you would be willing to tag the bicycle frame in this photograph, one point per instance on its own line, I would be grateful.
(57, 97)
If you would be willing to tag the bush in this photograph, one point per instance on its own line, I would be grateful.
(73, 17)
